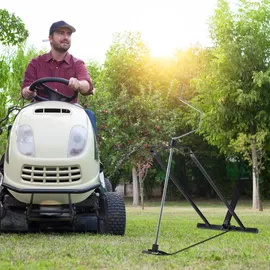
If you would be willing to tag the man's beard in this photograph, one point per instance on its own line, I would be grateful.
(59, 48)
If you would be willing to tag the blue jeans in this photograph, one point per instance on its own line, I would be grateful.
(92, 118)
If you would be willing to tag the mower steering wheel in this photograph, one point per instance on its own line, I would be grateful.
(40, 85)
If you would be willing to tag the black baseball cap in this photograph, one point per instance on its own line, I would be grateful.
(60, 24)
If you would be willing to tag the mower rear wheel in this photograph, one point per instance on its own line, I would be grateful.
(108, 185)
(115, 218)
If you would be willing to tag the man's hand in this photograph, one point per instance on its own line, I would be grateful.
(80, 86)
(74, 84)
(28, 94)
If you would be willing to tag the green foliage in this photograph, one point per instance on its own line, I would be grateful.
(12, 29)
(127, 63)
(4, 67)
(18, 63)
(95, 70)
(233, 91)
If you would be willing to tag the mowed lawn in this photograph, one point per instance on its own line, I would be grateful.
(233, 250)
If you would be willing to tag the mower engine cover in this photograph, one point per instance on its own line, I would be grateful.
(52, 147)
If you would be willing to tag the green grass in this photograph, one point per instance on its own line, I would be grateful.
(232, 250)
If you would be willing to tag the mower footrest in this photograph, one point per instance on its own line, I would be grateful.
(51, 214)
(41, 219)
(38, 211)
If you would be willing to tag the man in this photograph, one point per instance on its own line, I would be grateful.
(59, 63)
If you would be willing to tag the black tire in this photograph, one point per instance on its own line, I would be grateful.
(115, 217)
(13, 222)
(86, 223)
(108, 185)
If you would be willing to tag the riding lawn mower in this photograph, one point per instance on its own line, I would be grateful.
(51, 177)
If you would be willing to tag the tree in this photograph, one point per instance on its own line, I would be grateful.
(234, 91)
(12, 29)
(133, 111)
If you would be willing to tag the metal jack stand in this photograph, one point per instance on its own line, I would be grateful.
(155, 245)
(225, 227)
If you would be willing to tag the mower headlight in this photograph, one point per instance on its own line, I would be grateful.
(25, 140)
(77, 141)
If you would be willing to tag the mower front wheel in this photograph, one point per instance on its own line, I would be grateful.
(114, 219)
(13, 222)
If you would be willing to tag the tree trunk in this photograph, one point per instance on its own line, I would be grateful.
(135, 187)
(141, 191)
(256, 202)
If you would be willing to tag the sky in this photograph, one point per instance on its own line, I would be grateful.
(164, 24)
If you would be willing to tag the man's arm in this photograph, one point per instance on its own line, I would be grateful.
(29, 78)
(82, 86)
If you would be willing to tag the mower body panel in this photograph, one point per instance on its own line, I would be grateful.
(50, 166)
